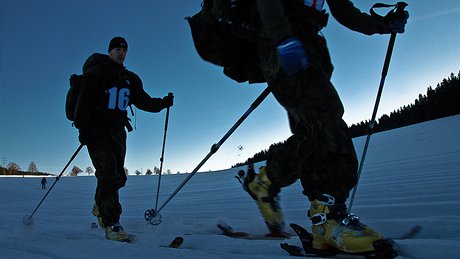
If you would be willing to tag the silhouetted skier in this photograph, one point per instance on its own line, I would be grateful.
(44, 182)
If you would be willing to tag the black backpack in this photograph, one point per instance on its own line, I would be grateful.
(228, 38)
(75, 80)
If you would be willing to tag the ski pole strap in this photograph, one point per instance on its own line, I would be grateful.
(397, 9)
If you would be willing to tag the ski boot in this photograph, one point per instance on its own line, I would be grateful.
(96, 213)
(261, 189)
(116, 232)
(334, 229)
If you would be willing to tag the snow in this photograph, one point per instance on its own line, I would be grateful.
(411, 177)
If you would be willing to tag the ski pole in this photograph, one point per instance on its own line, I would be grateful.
(162, 153)
(398, 9)
(152, 214)
(28, 219)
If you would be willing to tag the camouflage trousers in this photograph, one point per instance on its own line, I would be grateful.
(320, 152)
(107, 151)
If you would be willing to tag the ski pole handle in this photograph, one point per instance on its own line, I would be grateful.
(400, 6)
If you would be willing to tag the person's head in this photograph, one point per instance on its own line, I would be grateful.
(118, 49)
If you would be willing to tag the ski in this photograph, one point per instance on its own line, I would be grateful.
(385, 248)
(176, 243)
(294, 250)
(228, 231)
(411, 233)
(131, 239)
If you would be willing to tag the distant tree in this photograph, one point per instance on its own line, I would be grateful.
(168, 171)
(13, 168)
(32, 168)
(149, 172)
(137, 172)
(89, 170)
(126, 171)
(75, 171)
(156, 170)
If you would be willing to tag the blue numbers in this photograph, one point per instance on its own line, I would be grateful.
(118, 98)
(113, 95)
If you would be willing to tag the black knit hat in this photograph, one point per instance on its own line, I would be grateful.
(118, 42)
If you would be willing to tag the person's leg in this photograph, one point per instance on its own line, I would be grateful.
(105, 153)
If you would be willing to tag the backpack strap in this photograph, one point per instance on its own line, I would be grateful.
(128, 125)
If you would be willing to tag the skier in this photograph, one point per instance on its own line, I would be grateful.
(106, 91)
(43, 182)
(294, 60)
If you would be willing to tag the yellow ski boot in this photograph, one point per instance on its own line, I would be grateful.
(96, 213)
(333, 228)
(116, 232)
(261, 189)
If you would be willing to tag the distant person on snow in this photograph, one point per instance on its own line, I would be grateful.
(44, 182)
(286, 49)
(107, 89)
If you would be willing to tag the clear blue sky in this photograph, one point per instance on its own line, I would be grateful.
(43, 42)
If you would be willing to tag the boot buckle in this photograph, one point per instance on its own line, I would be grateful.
(349, 219)
(329, 201)
(318, 219)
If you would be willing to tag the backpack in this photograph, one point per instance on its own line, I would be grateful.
(227, 37)
(72, 96)
(75, 81)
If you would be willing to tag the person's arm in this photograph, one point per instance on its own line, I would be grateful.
(143, 100)
(351, 17)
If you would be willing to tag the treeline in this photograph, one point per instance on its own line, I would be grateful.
(441, 102)
(260, 156)
(12, 171)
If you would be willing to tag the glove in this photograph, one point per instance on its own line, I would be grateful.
(292, 55)
(394, 23)
(168, 100)
(86, 136)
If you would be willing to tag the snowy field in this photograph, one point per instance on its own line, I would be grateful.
(411, 177)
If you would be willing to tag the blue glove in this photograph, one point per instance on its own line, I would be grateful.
(292, 55)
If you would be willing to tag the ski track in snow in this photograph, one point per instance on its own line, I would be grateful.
(411, 176)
